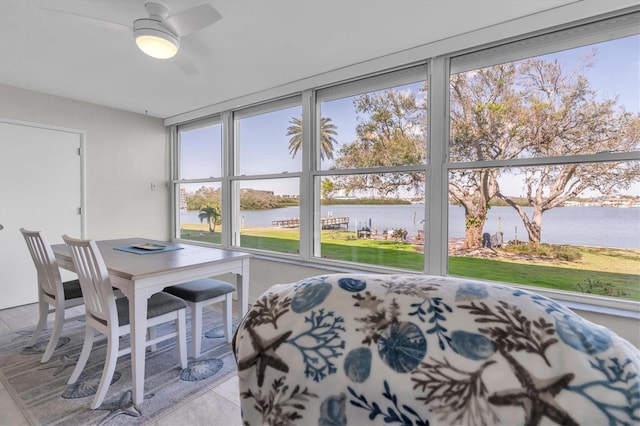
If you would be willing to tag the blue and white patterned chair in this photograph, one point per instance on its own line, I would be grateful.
(418, 350)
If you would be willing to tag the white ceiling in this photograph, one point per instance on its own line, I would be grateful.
(257, 45)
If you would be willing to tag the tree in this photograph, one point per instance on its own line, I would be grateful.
(327, 188)
(203, 196)
(566, 117)
(328, 131)
(390, 132)
(484, 126)
(534, 108)
(254, 199)
(211, 213)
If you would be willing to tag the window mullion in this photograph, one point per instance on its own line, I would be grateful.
(535, 161)
(371, 170)
(229, 211)
(436, 197)
(174, 161)
(307, 192)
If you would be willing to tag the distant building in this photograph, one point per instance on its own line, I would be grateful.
(183, 199)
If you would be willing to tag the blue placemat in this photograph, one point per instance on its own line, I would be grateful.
(136, 250)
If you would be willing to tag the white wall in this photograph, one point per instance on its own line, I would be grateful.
(124, 154)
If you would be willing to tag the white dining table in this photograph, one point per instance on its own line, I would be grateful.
(139, 276)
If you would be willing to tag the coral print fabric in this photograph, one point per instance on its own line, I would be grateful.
(425, 350)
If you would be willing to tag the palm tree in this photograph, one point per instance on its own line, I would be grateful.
(327, 139)
(210, 213)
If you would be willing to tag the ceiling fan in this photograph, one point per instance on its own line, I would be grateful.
(158, 35)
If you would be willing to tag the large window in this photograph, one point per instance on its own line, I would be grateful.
(371, 184)
(516, 162)
(266, 186)
(198, 191)
(566, 215)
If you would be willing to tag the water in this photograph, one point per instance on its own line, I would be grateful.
(590, 226)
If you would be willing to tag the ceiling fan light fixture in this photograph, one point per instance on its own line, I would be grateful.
(154, 39)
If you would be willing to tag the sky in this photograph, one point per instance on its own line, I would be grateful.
(616, 70)
(264, 146)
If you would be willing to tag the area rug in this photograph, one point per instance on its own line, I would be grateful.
(42, 392)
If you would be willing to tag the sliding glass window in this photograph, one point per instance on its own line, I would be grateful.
(372, 144)
(544, 177)
(266, 187)
(519, 164)
(198, 184)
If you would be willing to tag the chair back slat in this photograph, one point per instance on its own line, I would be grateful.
(49, 278)
(94, 279)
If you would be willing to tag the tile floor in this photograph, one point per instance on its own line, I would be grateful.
(220, 406)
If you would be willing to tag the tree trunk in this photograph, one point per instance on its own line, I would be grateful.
(473, 232)
(534, 227)
(475, 204)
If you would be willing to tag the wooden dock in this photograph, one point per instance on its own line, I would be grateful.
(328, 222)
(334, 222)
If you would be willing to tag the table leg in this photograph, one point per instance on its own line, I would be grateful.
(138, 313)
(242, 286)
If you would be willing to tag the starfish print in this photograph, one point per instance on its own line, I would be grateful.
(65, 362)
(536, 396)
(265, 355)
(124, 405)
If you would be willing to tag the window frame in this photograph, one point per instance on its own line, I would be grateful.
(234, 178)
(414, 73)
(176, 181)
(546, 43)
(437, 167)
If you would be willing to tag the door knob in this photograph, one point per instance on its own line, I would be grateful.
(1, 227)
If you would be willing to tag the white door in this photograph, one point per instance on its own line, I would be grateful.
(40, 189)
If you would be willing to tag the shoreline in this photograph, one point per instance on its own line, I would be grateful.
(454, 243)
(585, 226)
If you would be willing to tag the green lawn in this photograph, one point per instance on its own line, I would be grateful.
(618, 269)
(557, 277)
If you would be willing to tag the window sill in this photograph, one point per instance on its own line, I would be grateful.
(587, 303)
(614, 312)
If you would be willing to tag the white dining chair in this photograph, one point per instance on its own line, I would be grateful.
(54, 295)
(201, 293)
(110, 316)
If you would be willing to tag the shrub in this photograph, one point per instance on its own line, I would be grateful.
(568, 253)
(562, 252)
(603, 288)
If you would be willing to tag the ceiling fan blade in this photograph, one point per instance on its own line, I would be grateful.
(185, 65)
(193, 19)
(90, 19)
